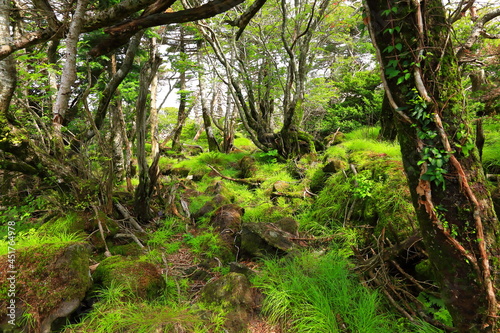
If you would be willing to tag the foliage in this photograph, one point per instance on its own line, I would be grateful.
(163, 236)
(435, 307)
(359, 102)
(207, 244)
(21, 215)
(113, 315)
(491, 152)
(314, 293)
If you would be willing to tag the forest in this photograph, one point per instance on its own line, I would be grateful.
(235, 166)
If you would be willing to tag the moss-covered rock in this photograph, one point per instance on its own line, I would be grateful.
(288, 224)
(51, 281)
(261, 239)
(234, 293)
(377, 196)
(70, 224)
(247, 167)
(143, 279)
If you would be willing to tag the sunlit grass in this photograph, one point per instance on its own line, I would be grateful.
(33, 238)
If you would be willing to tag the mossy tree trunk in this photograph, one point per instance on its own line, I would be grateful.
(453, 205)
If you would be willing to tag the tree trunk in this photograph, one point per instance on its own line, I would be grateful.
(68, 76)
(453, 205)
(388, 129)
(213, 145)
(7, 66)
(143, 190)
(153, 117)
(181, 115)
(478, 80)
(227, 143)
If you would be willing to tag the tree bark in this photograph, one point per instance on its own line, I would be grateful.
(388, 129)
(181, 114)
(68, 76)
(7, 66)
(447, 183)
(213, 145)
(153, 116)
(146, 183)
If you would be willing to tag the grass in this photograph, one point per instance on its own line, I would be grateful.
(33, 238)
(138, 318)
(491, 150)
(314, 293)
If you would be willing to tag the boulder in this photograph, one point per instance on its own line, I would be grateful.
(234, 293)
(50, 283)
(288, 224)
(209, 206)
(333, 165)
(142, 279)
(227, 222)
(247, 167)
(261, 239)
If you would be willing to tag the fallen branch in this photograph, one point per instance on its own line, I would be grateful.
(237, 180)
(129, 217)
(130, 235)
(101, 231)
(295, 195)
(389, 253)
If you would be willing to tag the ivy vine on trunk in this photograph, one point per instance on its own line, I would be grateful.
(447, 183)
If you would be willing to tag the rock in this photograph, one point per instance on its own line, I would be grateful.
(333, 165)
(209, 206)
(51, 281)
(143, 279)
(289, 225)
(247, 167)
(227, 222)
(227, 217)
(234, 293)
(261, 239)
(216, 188)
(240, 268)
(335, 138)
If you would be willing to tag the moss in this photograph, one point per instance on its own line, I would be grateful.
(47, 276)
(141, 278)
(378, 197)
(130, 249)
(70, 223)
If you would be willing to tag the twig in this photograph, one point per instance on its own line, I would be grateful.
(130, 235)
(129, 217)
(241, 181)
(101, 231)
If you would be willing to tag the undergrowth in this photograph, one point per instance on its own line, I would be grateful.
(317, 293)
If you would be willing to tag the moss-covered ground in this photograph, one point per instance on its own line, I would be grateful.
(348, 200)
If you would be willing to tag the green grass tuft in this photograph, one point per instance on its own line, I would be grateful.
(315, 293)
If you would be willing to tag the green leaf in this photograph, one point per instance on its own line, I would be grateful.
(398, 46)
(392, 72)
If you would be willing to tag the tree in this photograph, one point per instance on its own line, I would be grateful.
(423, 85)
(269, 75)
